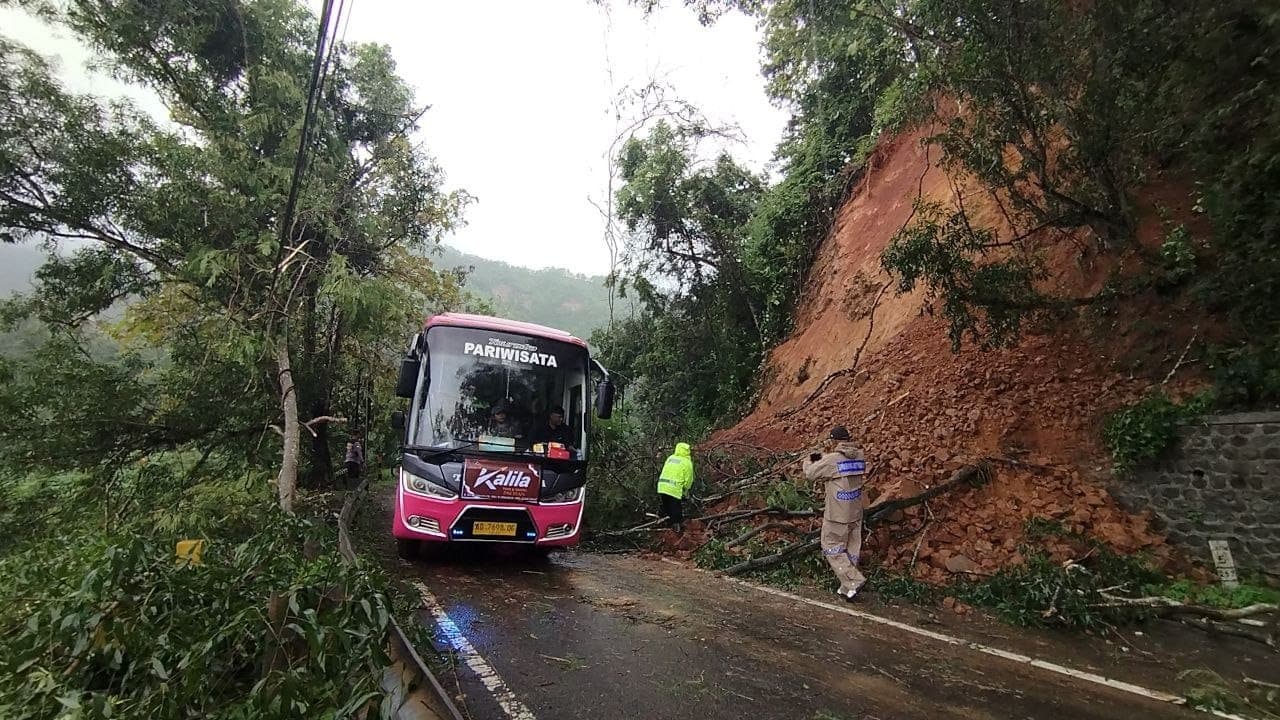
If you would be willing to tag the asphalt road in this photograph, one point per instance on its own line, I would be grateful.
(610, 636)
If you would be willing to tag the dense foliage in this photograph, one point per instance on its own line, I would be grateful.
(718, 256)
(1071, 117)
(190, 349)
(184, 217)
(1142, 432)
(98, 618)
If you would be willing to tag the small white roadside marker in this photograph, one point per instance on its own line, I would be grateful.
(489, 677)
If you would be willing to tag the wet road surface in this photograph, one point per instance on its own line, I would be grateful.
(610, 636)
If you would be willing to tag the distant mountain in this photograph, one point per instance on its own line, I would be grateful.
(555, 297)
(552, 296)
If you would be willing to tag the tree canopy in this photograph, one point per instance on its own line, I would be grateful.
(1065, 114)
(222, 296)
(183, 216)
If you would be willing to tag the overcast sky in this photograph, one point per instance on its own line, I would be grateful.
(522, 96)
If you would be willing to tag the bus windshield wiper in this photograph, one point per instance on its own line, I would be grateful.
(433, 452)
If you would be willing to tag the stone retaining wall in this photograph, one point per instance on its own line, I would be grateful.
(1221, 480)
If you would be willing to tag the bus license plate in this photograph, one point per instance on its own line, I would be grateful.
(494, 528)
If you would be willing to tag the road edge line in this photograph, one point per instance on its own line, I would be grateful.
(501, 692)
(1139, 690)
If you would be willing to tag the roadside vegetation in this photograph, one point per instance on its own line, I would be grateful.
(1088, 593)
(224, 293)
(100, 619)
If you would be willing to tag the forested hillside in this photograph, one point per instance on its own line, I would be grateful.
(550, 296)
(1079, 123)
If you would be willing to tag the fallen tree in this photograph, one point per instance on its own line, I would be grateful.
(1210, 619)
(723, 518)
(974, 475)
(809, 541)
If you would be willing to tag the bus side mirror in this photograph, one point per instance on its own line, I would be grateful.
(397, 421)
(604, 399)
(407, 382)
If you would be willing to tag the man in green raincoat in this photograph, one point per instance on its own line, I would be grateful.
(673, 483)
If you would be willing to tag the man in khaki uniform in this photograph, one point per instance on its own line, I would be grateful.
(842, 469)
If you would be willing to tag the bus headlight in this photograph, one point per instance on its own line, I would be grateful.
(567, 496)
(421, 486)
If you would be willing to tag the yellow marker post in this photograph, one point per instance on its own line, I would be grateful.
(189, 551)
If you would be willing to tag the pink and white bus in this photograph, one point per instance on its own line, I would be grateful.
(495, 435)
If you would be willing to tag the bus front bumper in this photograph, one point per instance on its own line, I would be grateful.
(432, 520)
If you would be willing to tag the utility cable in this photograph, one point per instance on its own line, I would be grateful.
(308, 119)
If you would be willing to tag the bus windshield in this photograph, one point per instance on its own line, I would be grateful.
(501, 392)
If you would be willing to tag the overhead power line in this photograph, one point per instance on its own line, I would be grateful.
(308, 120)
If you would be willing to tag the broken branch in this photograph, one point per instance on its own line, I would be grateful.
(1178, 364)
(810, 540)
(923, 531)
(759, 529)
(1169, 606)
(1216, 627)
(321, 420)
(977, 474)
(651, 525)
(1209, 619)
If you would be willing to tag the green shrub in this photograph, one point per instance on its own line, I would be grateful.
(110, 625)
(1142, 432)
(1177, 255)
(1216, 595)
(790, 496)
(713, 555)
(1043, 592)
(1247, 376)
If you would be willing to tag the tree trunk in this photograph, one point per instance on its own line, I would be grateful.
(319, 388)
(321, 458)
(287, 481)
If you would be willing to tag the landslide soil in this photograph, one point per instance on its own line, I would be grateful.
(921, 410)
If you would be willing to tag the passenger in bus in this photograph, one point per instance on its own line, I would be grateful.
(554, 430)
(502, 424)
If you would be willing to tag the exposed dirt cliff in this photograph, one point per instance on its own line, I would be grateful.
(879, 363)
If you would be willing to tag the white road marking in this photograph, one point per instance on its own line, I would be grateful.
(505, 698)
(979, 647)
